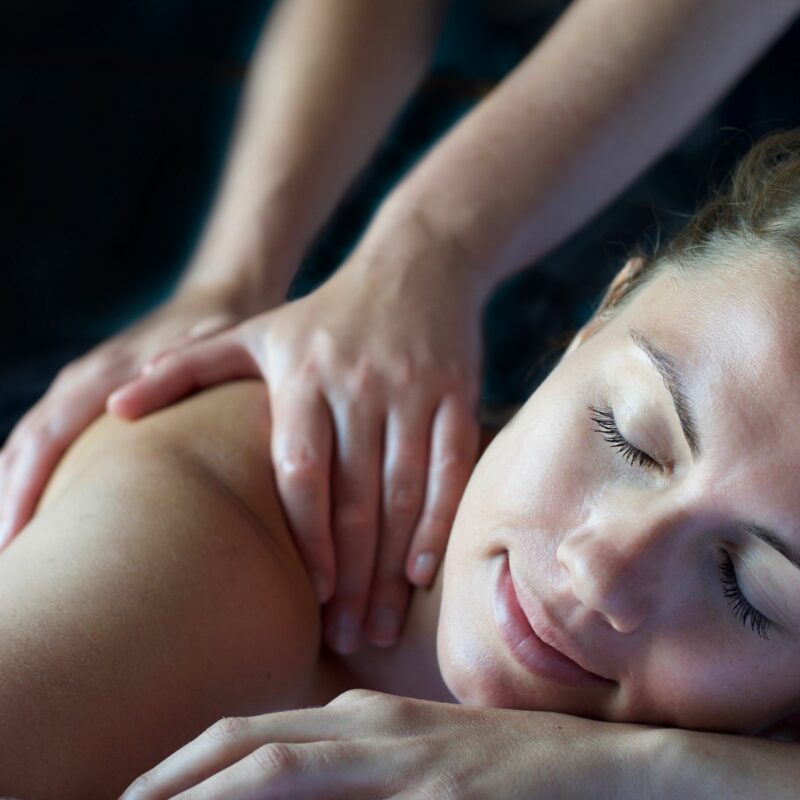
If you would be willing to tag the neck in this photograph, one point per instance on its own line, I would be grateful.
(410, 668)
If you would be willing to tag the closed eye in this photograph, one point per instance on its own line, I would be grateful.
(744, 611)
(607, 428)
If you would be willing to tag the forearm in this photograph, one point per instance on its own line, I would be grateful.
(612, 86)
(325, 83)
(575, 757)
(713, 766)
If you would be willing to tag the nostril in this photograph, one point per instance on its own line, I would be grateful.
(604, 579)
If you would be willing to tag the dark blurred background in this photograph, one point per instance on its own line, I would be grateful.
(114, 119)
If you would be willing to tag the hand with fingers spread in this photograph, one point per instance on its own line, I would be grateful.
(373, 384)
(78, 394)
(366, 745)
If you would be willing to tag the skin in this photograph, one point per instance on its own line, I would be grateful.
(625, 557)
(516, 176)
(626, 560)
(156, 590)
(313, 111)
(155, 535)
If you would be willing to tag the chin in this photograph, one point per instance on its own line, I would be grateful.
(474, 677)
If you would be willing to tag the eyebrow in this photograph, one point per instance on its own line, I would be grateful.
(771, 539)
(674, 381)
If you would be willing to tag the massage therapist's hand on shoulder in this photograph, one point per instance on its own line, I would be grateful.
(515, 176)
(373, 377)
(373, 384)
(306, 127)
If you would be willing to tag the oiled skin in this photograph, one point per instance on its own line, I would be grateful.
(156, 590)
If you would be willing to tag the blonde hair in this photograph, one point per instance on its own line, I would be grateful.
(757, 209)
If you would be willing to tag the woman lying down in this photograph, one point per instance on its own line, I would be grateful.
(626, 551)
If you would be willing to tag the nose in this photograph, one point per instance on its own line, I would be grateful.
(615, 565)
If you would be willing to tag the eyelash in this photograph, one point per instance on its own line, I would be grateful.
(607, 428)
(741, 608)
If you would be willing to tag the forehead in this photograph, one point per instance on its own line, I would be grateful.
(737, 343)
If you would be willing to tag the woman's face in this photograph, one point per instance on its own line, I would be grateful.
(641, 514)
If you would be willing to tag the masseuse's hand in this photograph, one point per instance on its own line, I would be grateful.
(78, 394)
(373, 388)
(367, 745)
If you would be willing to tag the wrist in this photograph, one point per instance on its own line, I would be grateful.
(477, 219)
(247, 270)
(251, 246)
(407, 246)
(652, 764)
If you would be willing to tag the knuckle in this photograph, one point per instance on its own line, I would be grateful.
(402, 372)
(457, 376)
(404, 498)
(227, 729)
(354, 696)
(140, 788)
(61, 377)
(360, 381)
(91, 369)
(455, 462)
(438, 521)
(352, 519)
(397, 711)
(102, 362)
(40, 436)
(324, 342)
(300, 464)
(411, 451)
(276, 758)
(444, 785)
(309, 369)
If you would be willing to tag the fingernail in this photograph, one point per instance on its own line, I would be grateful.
(424, 568)
(384, 626)
(345, 633)
(321, 588)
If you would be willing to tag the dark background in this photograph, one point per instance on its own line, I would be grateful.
(114, 118)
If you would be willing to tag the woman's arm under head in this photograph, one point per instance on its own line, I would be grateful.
(156, 590)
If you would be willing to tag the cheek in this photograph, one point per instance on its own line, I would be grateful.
(544, 478)
(708, 680)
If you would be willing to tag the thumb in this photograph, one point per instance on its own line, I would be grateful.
(181, 372)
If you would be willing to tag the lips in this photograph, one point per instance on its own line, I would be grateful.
(533, 640)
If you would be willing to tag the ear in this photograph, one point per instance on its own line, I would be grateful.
(615, 292)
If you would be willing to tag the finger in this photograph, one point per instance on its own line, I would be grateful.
(40, 440)
(294, 772)
(204, 329)
(454, 447)
(302, 444)
(228, 741)
(405, 463)
(31, 469)
(206, 363)
(355, 504)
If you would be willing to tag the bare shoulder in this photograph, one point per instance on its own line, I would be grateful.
(224, 430)
(155, 590)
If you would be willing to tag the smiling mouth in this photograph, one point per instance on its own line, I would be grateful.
(518, 630)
